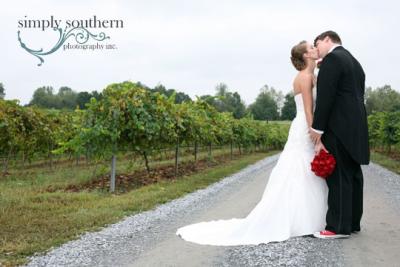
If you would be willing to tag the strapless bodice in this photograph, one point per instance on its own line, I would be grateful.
(298, 99)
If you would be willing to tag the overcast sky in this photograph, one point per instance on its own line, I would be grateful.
(192, 46)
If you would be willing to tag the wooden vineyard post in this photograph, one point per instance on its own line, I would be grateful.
(209, 151)
(195, 151)
(231, 150)
(176, 157)
(113, 160)
(112, 178)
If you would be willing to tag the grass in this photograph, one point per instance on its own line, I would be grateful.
(38, 178)
(33, 220)
(390, 162)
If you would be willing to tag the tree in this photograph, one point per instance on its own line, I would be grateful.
(182, 97)
(179, 97)
(382, 99)
(289, 108)
(231, 102)
(278, 96)
(82, 98)
(44, 97)
(390, 129)
(2, 91)
(98, 96)
(265, 107)
(226, 101)
(209, 99)
(239, 110)
(221, 89)
(67, 97)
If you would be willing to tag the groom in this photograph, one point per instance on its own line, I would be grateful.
(340, 127)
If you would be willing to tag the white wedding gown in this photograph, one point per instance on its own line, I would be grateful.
(294, 202)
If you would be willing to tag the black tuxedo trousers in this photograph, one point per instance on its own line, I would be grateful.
(345, 197)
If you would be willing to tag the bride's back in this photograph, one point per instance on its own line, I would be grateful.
(301, 83)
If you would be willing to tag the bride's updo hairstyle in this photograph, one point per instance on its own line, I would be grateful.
(297, 55)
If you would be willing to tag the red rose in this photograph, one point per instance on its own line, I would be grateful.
(323, 164)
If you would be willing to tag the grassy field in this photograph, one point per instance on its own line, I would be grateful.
(34, 219)
(389, 162)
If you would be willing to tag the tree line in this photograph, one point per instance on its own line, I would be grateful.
(269, 105)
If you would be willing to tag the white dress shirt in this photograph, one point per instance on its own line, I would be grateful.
(330, 50)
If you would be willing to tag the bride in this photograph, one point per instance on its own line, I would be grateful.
(294, 202)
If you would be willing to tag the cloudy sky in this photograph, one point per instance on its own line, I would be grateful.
(192, 46)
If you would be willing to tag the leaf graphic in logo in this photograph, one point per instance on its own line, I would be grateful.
(81, 35)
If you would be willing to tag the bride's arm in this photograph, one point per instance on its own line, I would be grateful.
(306, 94)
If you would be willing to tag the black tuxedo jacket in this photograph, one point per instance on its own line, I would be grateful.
(340, 105)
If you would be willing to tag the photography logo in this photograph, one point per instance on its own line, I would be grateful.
(80, 34)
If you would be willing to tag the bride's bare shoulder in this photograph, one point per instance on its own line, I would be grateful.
(303, 81)
(305, 78)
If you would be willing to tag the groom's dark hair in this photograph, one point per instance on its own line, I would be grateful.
(331, 34)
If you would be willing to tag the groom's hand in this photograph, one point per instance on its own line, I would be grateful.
(315, 137)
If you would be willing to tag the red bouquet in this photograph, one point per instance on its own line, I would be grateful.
(323, 164)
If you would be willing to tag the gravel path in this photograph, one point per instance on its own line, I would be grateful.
(148, 238)
(379, 242)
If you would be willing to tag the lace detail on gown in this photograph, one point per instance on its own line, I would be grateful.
(294, 202)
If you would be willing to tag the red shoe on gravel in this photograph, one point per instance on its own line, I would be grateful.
(326, 234)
